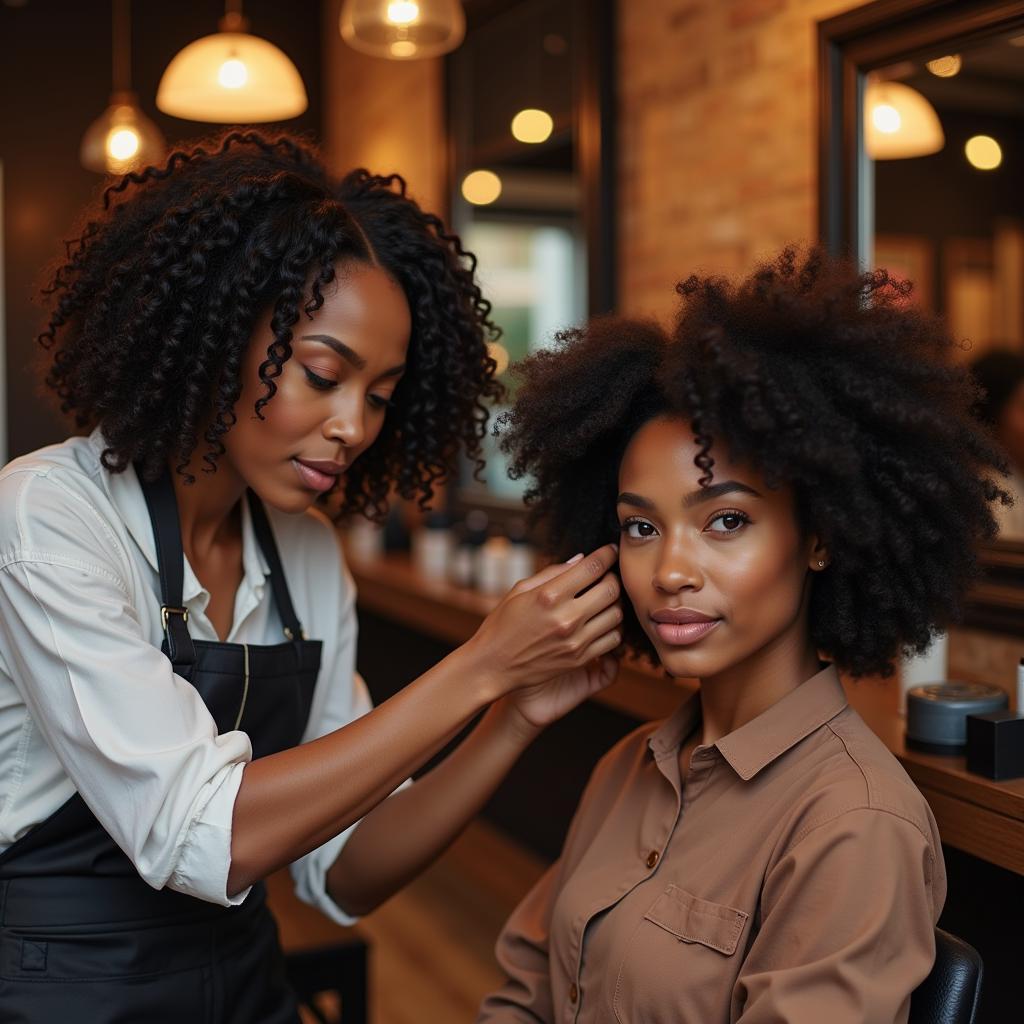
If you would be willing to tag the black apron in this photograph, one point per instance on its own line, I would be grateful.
(82, 937)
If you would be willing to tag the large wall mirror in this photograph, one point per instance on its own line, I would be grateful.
(530, 124)
(921, 164)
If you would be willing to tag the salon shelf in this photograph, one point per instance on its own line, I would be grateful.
(974, 814)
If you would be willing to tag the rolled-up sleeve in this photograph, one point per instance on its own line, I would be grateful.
(135, 740)
(847, 924)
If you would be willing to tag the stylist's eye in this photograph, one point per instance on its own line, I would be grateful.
(639, 529)
(380, 402)
(318, 382)
(732, 522)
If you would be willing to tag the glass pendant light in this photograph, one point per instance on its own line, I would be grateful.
(122, 138)
(899, 122)
(403, 29)
(232, 77)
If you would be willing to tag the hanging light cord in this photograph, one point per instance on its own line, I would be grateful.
(122, 45)
(234, 20)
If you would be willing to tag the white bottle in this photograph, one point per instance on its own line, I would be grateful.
(491, 566)
(432, 547)
(930, 667)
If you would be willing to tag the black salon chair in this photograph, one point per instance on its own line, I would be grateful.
(330, 980)
(949, 995)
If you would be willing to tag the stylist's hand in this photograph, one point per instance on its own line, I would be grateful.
(553, 623)
(534, 707)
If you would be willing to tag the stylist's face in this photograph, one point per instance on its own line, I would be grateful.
(332, 394)
(729, 557)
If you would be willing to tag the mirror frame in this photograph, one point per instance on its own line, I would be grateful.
(849, 46)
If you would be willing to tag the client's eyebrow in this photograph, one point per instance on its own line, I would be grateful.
(718, 491)
(349, 355)
(694, 497)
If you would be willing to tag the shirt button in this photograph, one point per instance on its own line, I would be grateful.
(652, 858)
(574, 993)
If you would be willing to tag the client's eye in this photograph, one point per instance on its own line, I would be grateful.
(638, 529)
(733, 521)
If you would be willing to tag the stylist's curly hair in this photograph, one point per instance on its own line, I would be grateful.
(155, 303)
(823, 379)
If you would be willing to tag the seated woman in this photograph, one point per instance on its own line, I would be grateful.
(797, 485)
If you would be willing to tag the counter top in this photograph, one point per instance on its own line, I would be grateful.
(974, 814)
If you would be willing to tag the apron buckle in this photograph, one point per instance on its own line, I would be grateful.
(166, 610)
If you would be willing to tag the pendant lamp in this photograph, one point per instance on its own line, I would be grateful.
(403, 29)
(231, 77)
(122, 138)
(899, 122)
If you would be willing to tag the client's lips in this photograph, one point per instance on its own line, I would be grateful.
(678, 626)
(318, 475)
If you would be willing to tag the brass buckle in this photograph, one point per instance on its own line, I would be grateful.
(291, 636)
(166, 610)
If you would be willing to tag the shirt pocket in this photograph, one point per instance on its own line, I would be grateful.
(679, 962)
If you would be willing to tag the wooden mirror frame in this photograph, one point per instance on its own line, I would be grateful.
(849, 46)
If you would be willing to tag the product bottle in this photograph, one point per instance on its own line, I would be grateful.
(433, 545)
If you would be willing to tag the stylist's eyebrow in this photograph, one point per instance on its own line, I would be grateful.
(349, 355)
(693, 498)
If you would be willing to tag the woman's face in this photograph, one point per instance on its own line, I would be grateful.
(332, 394)
(730, 557)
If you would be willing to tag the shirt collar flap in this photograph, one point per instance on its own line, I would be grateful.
(755, 745)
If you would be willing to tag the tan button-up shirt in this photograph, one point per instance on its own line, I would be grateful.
(793, 874)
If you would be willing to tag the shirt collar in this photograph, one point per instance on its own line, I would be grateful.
(126, 493)
(755, 745)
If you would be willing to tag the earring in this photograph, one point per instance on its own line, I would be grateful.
(821, 565)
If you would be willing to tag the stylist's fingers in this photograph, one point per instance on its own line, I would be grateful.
(602, 624)
(603, 645)
(545, 575)
(583, 574)
(600, 596)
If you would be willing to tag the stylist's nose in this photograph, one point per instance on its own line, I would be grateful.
(676, 570)
(346, 423)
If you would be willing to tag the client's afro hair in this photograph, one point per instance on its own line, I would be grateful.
(822, 378)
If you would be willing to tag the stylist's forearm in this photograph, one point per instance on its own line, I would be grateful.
(374, 864)
(292, 802)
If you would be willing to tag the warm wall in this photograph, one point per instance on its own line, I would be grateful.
(385, 115)
(717, 137)
(717, 132)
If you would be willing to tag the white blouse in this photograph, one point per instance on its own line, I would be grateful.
(87, 700)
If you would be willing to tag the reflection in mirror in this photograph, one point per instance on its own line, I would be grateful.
(518, 181)
(944, 137)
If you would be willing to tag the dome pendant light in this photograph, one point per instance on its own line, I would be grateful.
(899, 122)
(122, 138)
(232, 77)
(403, 29)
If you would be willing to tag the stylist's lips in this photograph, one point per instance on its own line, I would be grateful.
(682, 625)
(318, 476)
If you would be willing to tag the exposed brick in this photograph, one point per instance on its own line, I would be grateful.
(746, 12)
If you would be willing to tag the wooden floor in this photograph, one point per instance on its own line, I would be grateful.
(432, 945)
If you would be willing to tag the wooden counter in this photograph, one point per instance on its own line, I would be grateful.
(974, 814)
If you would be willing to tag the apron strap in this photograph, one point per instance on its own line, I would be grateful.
(282, 596)
(163, 514)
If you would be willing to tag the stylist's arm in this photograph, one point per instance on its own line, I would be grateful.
(547, 628)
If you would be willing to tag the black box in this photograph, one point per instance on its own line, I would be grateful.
(995, 745)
